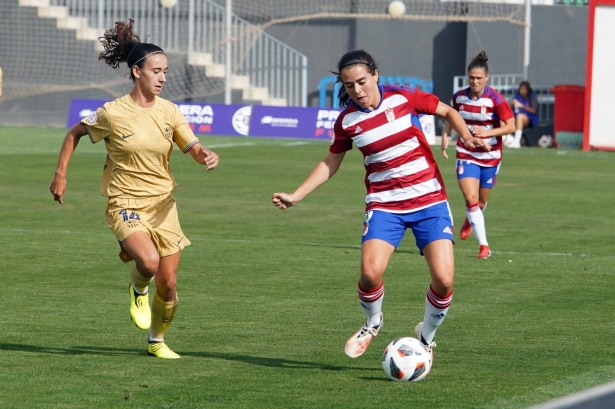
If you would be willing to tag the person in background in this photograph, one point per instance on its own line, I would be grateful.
(525, 108)
(487, 116)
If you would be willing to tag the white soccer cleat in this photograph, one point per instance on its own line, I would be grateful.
(359, 341)
(418, 330)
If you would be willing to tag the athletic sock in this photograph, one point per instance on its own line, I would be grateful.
(477, 220)
(436, 307)
(518, 134)
(139, 283)
(371, 303)
(162, 317)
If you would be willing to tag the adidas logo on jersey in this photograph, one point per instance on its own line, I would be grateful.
(358, 129)
(447, 230)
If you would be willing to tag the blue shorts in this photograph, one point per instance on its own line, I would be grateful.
(430, 224)
(486, 174)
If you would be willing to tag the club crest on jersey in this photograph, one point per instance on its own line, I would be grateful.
(483, 110)
(390, 114)
(167, 132)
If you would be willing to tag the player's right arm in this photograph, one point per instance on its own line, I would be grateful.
(319, 175)
(58, 185)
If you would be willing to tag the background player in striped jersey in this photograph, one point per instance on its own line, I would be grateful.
(404, 188)
(139, 130)
(483, 109)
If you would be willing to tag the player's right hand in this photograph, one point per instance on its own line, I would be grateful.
(283, 200)
(477, 142)
(57, 189)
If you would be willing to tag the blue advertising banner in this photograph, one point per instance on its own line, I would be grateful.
(80, 108)
(293, 122)
(215, 119)
(246, 120)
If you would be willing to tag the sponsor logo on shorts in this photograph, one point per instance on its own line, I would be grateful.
(447, 230)
(490, 180)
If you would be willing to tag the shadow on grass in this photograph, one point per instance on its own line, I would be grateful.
(339, 246)
(274, 362)
(253, 360)
(75, 350)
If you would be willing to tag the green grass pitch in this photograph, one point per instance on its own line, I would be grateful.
(268, 298)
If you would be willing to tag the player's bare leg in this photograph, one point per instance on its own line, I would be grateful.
(375, 255)
(440, 259)
(164, 306)
(146, 260)
(470, 188)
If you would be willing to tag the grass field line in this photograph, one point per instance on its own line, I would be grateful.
(556, 389)
(101, 151)
(354, 247)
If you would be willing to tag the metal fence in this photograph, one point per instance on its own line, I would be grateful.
(198, 28)
(507, 85)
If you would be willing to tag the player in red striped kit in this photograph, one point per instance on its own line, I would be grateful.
(404, 188)
(483, 110)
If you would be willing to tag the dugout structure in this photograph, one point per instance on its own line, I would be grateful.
(598, 132)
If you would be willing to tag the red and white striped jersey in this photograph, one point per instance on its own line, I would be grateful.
(486, 111)
(402, 174)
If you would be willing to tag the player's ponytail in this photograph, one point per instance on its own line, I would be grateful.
(479, 61)
(122, 44)
(350, 59)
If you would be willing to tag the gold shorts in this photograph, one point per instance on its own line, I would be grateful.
(156, 216)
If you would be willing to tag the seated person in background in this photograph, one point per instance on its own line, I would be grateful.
(525, 108)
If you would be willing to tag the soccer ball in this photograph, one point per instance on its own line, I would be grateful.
(396, 8)
(545, 141)
(405, 360)
(168, 3)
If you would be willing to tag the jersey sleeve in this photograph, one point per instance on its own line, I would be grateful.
(503, 111)
(534, 101)
(340, 142)
(182, 134)
(98, 125)
(425, 103)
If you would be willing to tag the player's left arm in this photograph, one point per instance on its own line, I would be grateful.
(502, 110)
(456, 121)
(204, 156)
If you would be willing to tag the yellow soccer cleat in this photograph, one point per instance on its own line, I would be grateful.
(160, 350)
(139, 309)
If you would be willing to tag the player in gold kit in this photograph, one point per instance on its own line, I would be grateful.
(139, 130)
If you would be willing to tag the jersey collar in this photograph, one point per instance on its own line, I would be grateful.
(358, 107)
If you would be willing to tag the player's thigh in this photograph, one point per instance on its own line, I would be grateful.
(166, 277)
(488, 177)
(441, 261)
(382, 233)
(142, 250)
(468, 177)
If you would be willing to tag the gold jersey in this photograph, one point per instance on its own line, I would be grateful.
(139, 143)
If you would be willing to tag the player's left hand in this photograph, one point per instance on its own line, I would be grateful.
(444, 145)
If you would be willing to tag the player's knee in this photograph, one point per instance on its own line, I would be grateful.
(149, 264)
(371, 274)
(442, 285)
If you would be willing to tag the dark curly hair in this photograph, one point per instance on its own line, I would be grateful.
(479, 61)
(122, 44)
(348, 60)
